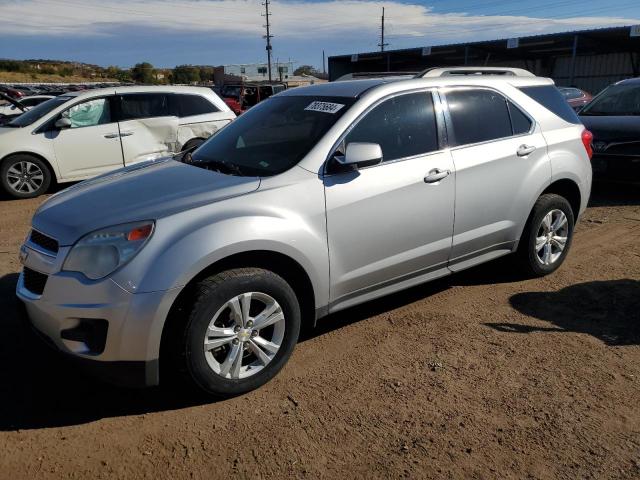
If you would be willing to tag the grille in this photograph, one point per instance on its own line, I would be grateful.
(44, 241)
(34, 281)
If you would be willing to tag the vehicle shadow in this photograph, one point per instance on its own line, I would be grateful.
(607, 310)
(40, 388)
(614, 194)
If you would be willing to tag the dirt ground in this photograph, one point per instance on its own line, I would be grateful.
(480, 375)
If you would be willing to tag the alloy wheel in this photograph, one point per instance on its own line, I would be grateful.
(25, 177)
(552, 236)
(244, 335)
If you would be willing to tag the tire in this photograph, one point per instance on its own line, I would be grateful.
(192, 144)
(25, 176)
(213, 333)
(541, 249)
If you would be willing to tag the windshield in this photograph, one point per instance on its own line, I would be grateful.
(273, 136)
(570, 93)
(38, 112)
(616, 100)
(231, 91)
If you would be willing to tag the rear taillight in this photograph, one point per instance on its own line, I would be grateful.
(587, 139)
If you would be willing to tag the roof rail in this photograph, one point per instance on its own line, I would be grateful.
(453, 71)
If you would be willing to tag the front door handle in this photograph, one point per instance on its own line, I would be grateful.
(436, 175)
(112, 135)
(126, 134)
(524, 150)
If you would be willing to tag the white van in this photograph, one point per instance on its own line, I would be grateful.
(80, 135)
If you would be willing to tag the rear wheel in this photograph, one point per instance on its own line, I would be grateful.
(547, 237)
(241, 331)
(24, 176)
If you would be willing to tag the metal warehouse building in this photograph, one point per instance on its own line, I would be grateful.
(588, 59)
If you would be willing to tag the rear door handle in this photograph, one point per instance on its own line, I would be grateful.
(524, 150)
(112, 135)
(126, 134)
(436, 175)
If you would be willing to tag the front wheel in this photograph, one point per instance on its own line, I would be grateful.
(24, 176)
(547, 236)
(242, 330)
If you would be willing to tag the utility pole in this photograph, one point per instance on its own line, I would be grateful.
(382, 44)
(268, 36)
(324, 70)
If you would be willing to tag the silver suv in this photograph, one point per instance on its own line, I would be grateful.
(318, 199)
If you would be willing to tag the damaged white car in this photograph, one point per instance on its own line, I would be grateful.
(83, 134)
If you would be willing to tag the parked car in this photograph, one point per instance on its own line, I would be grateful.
(83, 134)
(614, 118)
(27, 102)
(317, 199)
(575, 97)
(242, 96)
(12, 92)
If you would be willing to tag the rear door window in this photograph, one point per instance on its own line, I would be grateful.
(403, 126)
(550, 97)
(143, 105)
(478, 116)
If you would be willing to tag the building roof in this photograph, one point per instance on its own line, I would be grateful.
(527, 49)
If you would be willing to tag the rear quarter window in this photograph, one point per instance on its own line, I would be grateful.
(550, 97)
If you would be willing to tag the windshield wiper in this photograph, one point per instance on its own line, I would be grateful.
(221, 166)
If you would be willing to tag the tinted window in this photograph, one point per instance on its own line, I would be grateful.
(404, 126)
(549, 97)
(519, 121)
(623, 99)
(30, 102)
(478, 116)
(188, 105)
(88, 114)
(273, 136)
(143, 105)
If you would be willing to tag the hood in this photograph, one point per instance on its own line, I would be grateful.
(614, 135)
(145, 191)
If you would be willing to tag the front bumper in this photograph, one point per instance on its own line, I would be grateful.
(109, 330)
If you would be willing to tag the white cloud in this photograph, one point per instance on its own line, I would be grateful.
(413, 23)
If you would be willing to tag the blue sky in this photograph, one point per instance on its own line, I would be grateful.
(215, 32)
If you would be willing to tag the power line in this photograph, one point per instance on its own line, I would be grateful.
(268, 36)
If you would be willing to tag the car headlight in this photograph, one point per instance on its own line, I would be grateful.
(100, 253)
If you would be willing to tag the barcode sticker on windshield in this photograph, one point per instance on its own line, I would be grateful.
(325, 107)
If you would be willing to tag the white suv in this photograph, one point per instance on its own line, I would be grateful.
(83, 134)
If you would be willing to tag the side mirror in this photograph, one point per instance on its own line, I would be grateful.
(63, 123)
(361, 154)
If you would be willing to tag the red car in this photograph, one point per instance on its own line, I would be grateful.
(242, 96)
(575, 97)
(12, 92)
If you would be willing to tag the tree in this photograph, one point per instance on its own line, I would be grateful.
(306, 70)
(185, 74)
(142, 73)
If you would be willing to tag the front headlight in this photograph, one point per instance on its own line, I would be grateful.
(100, 253)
